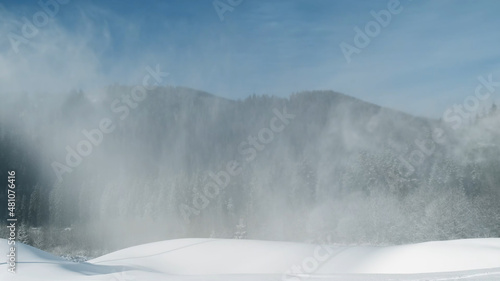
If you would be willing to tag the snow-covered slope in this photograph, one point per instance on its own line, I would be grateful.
(216, 259)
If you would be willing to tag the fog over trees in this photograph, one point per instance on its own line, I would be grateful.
(185, 163)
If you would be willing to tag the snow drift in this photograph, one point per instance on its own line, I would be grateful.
(218, 259)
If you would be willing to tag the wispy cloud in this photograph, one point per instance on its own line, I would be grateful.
(428, 57)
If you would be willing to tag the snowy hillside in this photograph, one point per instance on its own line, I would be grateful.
(218, 259)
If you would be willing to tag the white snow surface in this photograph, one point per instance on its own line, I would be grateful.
(225, 259)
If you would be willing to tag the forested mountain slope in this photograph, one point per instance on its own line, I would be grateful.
(179, 162)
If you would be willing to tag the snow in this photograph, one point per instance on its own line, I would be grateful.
(219, 259)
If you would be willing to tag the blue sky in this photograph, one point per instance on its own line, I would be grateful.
(426, 59)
